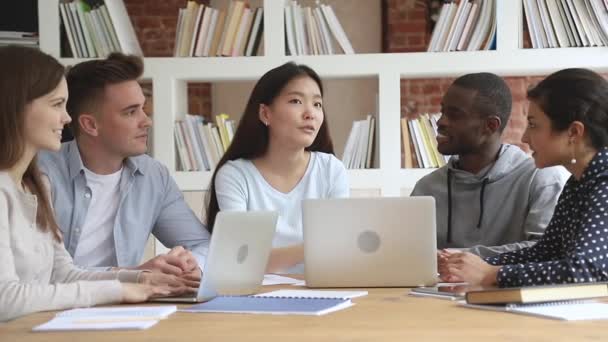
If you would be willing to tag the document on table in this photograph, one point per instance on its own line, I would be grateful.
(108, 318)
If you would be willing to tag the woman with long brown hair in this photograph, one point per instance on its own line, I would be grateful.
(281, 154)
(36, 272)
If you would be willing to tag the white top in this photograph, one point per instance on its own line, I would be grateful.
(240, 186)
(96, 245)
(36, 272)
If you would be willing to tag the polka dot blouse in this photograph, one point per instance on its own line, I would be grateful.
(574, 247)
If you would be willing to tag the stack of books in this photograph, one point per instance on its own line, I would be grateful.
(200, 145)
(567, 23)
(19, 23)
(359, 150)
(465, 25)
(569, 302)
(99, 30)
(314, 31)
(206, 32)
(29, 39)
(419, 138)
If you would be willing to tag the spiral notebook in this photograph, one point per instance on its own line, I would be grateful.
(562, 310)
(281, 303)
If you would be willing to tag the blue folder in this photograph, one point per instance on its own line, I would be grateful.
(271, 305)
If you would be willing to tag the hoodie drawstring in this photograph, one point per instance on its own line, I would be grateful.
(483, 188)
(449, 238)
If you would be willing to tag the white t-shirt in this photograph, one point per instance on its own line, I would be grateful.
(96, 245)
(240, 186)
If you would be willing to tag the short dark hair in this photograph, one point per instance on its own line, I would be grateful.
(87, 81)
(252, 137)
(493, 95)
(572, 95)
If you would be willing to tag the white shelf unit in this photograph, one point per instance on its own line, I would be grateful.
(171, 75)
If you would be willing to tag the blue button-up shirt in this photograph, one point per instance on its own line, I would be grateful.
(150, 202)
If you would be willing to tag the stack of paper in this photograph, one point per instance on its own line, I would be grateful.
(111, 318)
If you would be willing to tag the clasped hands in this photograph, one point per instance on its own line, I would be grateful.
(176, 272)
(456, 266)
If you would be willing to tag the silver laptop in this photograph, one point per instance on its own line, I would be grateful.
(370, 242)
(238, 254)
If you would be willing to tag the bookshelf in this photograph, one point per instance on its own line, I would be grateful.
(170, 76)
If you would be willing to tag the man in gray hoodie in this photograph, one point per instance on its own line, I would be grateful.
(490, 196)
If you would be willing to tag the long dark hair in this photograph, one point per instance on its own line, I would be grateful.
(251, 137)
(572, 95)
(27, 74)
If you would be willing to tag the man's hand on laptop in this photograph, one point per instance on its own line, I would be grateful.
(178, 262)
(177, 285)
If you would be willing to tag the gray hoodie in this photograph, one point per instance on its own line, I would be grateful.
(496, 210)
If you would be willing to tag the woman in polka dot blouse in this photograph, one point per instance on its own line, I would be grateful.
(567, 125)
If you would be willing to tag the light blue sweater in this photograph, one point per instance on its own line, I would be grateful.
(240, 186)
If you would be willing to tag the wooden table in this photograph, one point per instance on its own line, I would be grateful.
(383, 315)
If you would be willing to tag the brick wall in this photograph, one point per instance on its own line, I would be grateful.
(155, 22)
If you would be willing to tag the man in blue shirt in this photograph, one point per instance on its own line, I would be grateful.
(108, 195)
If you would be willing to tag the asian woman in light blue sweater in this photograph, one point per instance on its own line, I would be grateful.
(281, 153)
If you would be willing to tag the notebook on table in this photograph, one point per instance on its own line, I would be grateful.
(560, 310)
(108, 318)
(282, 302)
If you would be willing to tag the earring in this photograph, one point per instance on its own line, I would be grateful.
(573, 160)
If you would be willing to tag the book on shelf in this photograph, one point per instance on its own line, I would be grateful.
(314, 31)
(465, 25)
(204, 31)
(359, 149)
(419, 142)
(96, 28)
(537, 294)
(199, 144)
(566, 23)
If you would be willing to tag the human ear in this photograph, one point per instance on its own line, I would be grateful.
(576, 131)
(88, 124)
(493, 123)
(263, 114)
